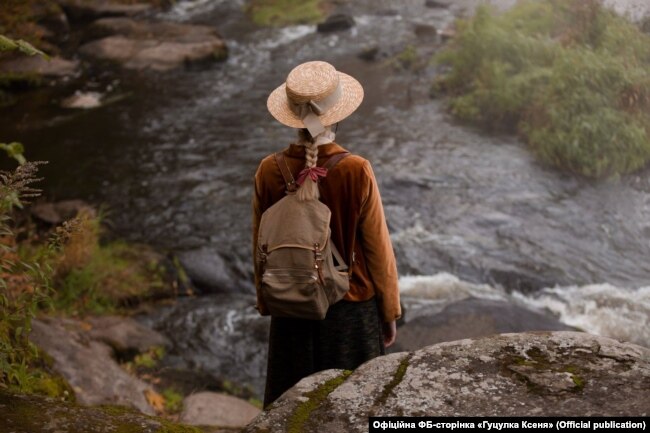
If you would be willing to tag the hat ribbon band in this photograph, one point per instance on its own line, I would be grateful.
(310, 110)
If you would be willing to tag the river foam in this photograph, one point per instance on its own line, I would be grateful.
(602, 309)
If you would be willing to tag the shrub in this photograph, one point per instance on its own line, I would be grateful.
(93, 276)
(571, 77)
(24, 288)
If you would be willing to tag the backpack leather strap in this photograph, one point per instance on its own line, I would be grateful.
(337, 255)
(286, 173)
(329, 165)
(335, 159)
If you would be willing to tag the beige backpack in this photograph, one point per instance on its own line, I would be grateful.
(296, 255)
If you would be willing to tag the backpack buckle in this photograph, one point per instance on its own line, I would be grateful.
(263, 254)
(318, 255)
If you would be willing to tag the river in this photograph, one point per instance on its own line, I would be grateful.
(174, 157)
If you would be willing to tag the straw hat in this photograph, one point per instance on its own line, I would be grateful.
(315, 95)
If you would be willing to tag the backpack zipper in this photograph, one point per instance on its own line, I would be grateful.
(290, 274)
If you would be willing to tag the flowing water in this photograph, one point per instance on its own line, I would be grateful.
(174, 157)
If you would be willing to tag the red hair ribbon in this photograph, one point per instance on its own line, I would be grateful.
(313, 172)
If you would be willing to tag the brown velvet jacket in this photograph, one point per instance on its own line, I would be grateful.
(358, 224)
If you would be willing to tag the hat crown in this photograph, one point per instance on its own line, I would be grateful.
(311, 81)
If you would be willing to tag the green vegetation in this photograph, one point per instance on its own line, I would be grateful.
(24, 288)
(569, 76)
(243, 392)
(72, 273)
(91, 276)
(18, 19)
(173, 400)
(146, 360)
(285, 12)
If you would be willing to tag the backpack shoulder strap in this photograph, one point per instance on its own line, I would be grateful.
(330, 164)
(286, 173)
(335, 159)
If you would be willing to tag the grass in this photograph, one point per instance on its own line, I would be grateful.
(173, 400)
(92, 276)
(570, 77)
(285, 12)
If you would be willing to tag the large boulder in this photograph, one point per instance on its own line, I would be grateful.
(208, 270)
(535, 373)
(88, 365)
(215, 409)
(125, 335)
(152, 45)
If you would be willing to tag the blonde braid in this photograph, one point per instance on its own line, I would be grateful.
(309, 189)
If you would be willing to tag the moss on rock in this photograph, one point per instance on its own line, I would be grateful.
(314, 399)
(37, 414)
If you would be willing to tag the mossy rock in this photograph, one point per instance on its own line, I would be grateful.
(523, 374)
(35, 414)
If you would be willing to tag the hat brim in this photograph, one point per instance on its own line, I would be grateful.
(351, 97)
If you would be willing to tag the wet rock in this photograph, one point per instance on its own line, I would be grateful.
(390, 12)
(436, 4)
(152, 45)
(56, 22)
(36, 65)
(88, 365)
(56, 213)
(470, 318)
(83, 100)
(335, 23)
(36, 414)
(447, 33)
(535, 373)
(222, 335)
(369, 54)
(125, 335)
(208, 270)
(214, 409)
(426, 31)
(85, 11)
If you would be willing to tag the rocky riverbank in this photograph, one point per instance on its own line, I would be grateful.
(112, 360)
(84, 347)
(80, 35)
(541, 374)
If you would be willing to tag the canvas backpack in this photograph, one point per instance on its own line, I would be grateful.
(296, 256)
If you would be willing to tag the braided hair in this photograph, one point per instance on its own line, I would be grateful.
(309, 189)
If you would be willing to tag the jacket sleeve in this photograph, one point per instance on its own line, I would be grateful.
(378, 250)
(257, 215)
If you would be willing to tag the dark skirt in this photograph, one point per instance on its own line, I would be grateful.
(349, 335)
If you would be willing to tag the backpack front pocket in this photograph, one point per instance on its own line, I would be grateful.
(294, 293)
